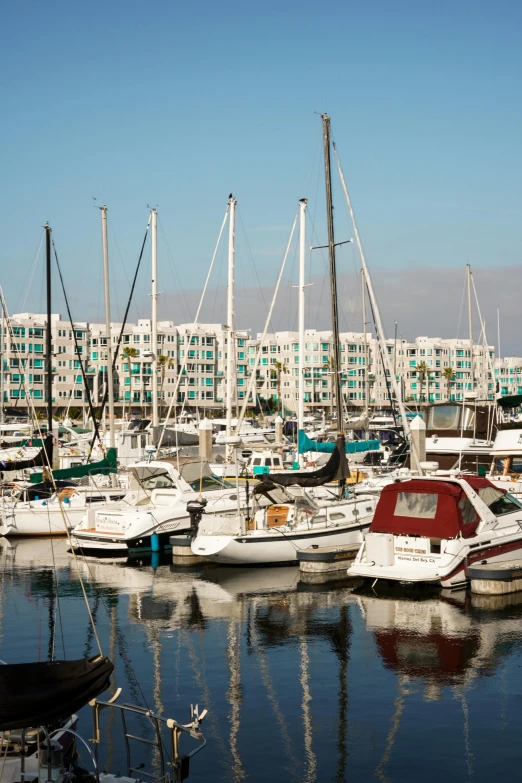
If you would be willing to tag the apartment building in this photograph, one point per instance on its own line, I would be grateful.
(508, 376)
(193, 365)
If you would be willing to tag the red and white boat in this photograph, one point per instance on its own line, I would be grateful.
(430, 529)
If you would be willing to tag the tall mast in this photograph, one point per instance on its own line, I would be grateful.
(333, 273)
(48, 335)
(470, 323)
(378, 321)
(302, 252)
(498, 334)
(110, 383)
(366, 366)
(231, 341)
(154, 238)
(2, 373)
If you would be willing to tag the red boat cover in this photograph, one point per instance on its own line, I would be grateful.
(422, 507)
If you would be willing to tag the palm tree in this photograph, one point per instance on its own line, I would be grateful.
(165, 362)
(449, 376)
(424, 373)
(275, 372)
(128, 354)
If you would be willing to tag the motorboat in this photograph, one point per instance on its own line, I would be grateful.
(428, 530)
(250, 464)
(51, 509)
(506, 460)
(460, 435)
(249, 432)
(155, 505)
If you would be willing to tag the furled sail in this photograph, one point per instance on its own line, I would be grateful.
(304, 443)
(336, 469)
(38, 694)
(109, 464)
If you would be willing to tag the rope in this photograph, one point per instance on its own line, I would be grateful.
(194, 326)
(77, 353)
(52, 480)
(267, 322)
(115, 359)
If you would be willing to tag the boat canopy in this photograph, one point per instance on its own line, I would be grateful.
(304, 443)
(44, 457)
(435, 509)
(39, 694)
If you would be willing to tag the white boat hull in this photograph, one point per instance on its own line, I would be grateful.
(448, 570)
(267, 547)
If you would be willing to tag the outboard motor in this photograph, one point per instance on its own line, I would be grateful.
(196, 509)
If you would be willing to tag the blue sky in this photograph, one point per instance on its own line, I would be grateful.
(178, 104)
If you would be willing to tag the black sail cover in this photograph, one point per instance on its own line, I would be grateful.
(39, 694)
(43, 458)
(336, 469)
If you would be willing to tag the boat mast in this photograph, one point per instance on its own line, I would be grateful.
(378, 322)
(231, 341)
(333, 274)
(366, 366)
(110, 389)
(154, 314)
(470, 323)
(2, 349)
(302, 252)
(48, 335)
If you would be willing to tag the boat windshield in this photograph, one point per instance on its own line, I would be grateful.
(157, 481)
(209, 483)
(498, 502)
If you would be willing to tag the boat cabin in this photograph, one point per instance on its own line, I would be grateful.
(436, 509)
(452, 419)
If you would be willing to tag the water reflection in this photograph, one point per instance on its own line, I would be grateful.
(302, 683)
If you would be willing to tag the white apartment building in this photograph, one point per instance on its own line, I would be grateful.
(193, 363)
(445, 369)
(508, 376)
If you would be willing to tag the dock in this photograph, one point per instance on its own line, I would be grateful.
(326, 559)
(496, 578)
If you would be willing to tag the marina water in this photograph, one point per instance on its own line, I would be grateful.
(303, 682)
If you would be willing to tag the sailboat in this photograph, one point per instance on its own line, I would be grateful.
(47, 508)
(275, 533)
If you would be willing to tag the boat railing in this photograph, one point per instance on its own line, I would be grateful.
(176, 762)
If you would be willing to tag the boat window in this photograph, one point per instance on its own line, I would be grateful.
(257, 461)
(468, 511)
(416, 504)
(336, 515)
(208, 484)
(158, 481)
(268, 462)
(444, 417)
(276, 461)
(516, 465)
(499, 503)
